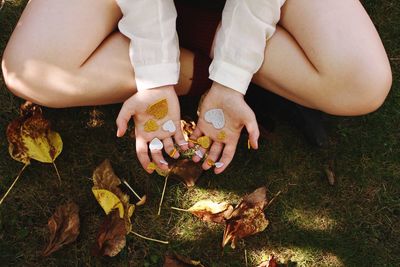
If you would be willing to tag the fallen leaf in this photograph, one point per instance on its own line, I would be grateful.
(247, 218)
(187, 171)
(111, 238)
(210, 211)
(108, 194)
(30, 137)
(63, 226)
(180, 261)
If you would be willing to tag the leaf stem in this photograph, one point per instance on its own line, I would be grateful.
(175, 208)
(162, 195)
(130, 188)
(150, 239)
(269, 203)
(12, 185)
(58, 174)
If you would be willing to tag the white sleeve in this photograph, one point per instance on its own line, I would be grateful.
(154, 47)
(240, 42)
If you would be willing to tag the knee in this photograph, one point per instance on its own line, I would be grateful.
(22, 82)
(360, 91)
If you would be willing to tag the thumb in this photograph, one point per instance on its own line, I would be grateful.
(125, 114)
(252, 128)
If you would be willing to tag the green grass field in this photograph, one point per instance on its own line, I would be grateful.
(353, 223)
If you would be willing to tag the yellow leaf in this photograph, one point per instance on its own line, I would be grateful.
(44, 148)
(109, 201)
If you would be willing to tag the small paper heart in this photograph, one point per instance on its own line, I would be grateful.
(169, 126)
(156, 144)
(215, 117)
(218, 164)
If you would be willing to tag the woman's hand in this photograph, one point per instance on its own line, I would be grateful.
(156, 114)
(236, 115)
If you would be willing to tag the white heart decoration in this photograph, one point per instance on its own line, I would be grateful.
(156, 144)
(215, 117)
(219, 164)
(169, 126)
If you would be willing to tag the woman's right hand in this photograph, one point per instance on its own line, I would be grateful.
(137, 106)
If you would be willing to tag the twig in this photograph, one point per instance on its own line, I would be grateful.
(245, 257)
(58, 174)
(174, 208)
(130, 188)
(12, 185)
(269, 203)
(162, 195)
(150, 239)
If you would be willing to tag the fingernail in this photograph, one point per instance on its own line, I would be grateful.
(183, 144)
(219, 165)
(118, 133)
(199, 153)
(164, 162)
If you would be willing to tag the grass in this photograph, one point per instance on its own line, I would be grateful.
(354, 223)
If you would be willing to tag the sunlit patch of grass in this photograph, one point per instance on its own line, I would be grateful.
(311, 220)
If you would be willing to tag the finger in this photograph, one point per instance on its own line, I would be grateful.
(169, 148)
(213, 155)
(196, 134)
(125, 114)
(158, 159)
(143, 153)
(227, 156)
(180, 140)
(252, 129)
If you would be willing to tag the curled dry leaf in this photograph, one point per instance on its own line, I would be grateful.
(180, 261)
(63, 226)
(108, 194)
(210, 211)
(30, 137)
(186, 171)
(247, 218)
(112, 236)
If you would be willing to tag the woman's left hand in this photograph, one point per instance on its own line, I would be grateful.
(236, 114)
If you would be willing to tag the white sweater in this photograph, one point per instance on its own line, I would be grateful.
(238, 50)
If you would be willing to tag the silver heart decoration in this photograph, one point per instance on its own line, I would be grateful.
(156, 144)
(169, 126)
(215, 117)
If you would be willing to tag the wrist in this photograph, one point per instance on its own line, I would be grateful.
(226, 91)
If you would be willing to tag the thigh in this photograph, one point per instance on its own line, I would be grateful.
(61, 32)
(335, 35)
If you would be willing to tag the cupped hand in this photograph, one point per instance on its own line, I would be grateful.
(237, 114)
(148, 126)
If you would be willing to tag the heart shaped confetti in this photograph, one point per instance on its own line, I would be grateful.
(169, 126)
(204, 141)
(199, 153)
(159, 109)
(156, 144)
(151, 126)
(218, 164)
(215, 117)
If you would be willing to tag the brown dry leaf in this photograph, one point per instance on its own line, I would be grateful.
(112, 236)
(104, 179)
(180, 261)
(63, 226)
(210, 211)
(247, 218)
(187, 171)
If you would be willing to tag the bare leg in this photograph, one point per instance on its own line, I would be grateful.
(66, 53)
(327, 55)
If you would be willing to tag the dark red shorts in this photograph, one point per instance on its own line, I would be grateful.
(196, 25)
